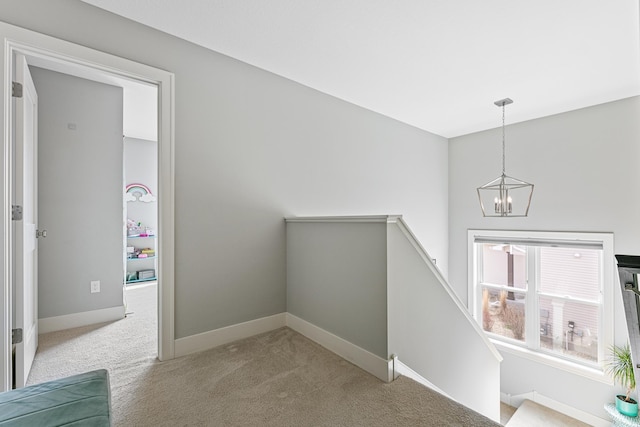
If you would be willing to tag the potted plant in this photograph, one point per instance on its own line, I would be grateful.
(620, 367)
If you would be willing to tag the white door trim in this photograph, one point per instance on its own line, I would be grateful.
(15, 39)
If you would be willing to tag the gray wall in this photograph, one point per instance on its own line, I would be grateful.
(585, 167)
(141, 167)
(252, 148)
(337, 279)
(79, 193)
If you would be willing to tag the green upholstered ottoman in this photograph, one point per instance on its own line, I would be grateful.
(79, 400)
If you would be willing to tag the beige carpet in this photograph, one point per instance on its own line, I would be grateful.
(532, 414)
(506, 412)
(279, 378)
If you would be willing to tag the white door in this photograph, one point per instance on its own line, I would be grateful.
(26, 247)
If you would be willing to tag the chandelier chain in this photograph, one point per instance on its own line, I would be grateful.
(503, 143)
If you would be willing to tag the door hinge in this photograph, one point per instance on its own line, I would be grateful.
(16, 336)
(16, 89)
(16, 212)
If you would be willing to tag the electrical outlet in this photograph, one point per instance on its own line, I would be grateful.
(95, 286)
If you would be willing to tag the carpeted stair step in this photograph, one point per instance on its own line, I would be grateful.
(532, 414)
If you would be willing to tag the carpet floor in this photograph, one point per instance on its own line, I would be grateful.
(279, 378)
(532, 414)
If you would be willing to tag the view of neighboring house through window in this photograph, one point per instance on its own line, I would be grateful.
(549, 293)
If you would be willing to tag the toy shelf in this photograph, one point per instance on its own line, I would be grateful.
(142, 280)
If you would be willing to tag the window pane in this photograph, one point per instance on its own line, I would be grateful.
(569, 328)
(504, 265)
(503, 313)
(573, 272)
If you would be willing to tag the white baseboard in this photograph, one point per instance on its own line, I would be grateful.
(360, 357)
(211, 339)
(85, 318)
(578, 414)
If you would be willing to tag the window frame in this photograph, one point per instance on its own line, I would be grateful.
(530, 348)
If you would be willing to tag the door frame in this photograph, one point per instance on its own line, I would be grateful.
(32, 44)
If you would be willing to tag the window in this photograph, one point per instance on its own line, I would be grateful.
(548, 295)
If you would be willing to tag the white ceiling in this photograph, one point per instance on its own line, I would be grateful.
(436, 64)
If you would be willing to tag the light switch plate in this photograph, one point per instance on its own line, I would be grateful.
(95, 286)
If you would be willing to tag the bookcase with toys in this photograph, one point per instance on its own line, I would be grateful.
(141, 238)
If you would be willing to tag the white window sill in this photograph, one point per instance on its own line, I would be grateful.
(564, 365)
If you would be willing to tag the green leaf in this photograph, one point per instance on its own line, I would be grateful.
(620, 367)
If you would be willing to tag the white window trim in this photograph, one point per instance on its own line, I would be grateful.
(608, 277)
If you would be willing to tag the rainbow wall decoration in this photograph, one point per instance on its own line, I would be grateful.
(138, 192)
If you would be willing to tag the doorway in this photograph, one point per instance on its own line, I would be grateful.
(73, 59)
(82, 183)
